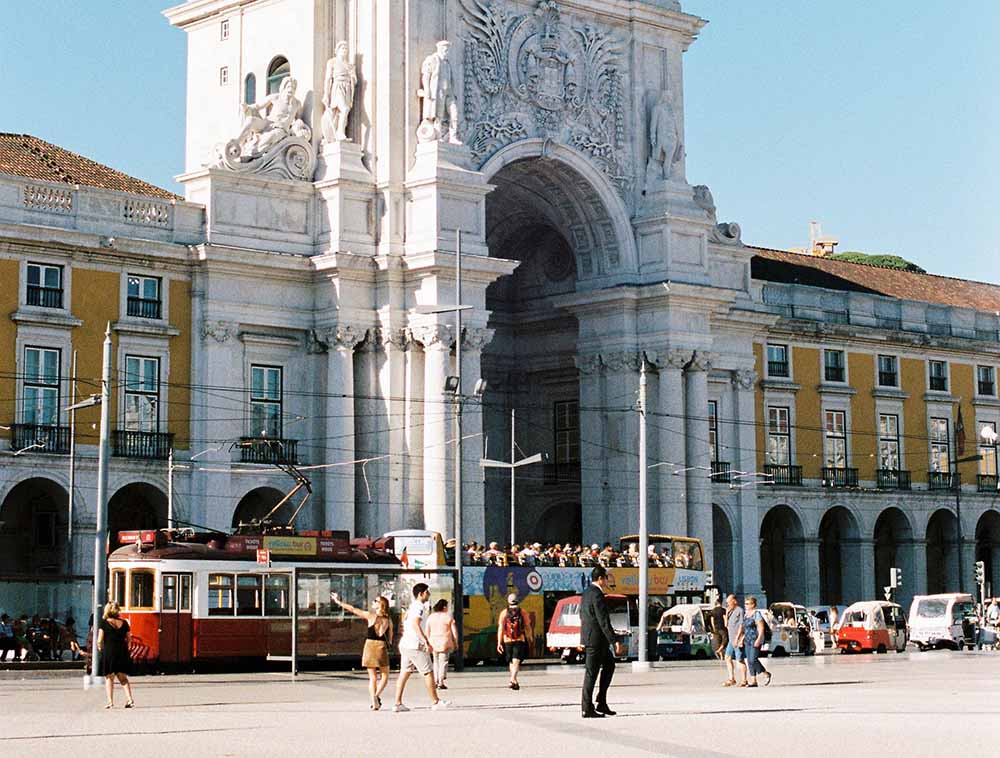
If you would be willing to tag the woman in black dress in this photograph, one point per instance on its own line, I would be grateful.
(112, 641)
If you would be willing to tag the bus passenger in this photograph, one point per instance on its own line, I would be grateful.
(378, 637)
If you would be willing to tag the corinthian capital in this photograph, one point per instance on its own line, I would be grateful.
(343, 336)
(478, 338)
(674, 358)
(744, 379)
(700, 361)
(624, 360)
(434, 335)
(396, 338)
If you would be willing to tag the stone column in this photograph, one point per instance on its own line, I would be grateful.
(473, 483)
(621, 443)
(438, 503)
(671, 487)
(857, 569)
(593, 463)
(699, 489)
(391, 434)
(367, 412)
(808, 573)
(967, 583)
(338, 481)
(747, 531)
(215, 496)
(918, 578)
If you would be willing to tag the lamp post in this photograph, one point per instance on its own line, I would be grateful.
(513, 466)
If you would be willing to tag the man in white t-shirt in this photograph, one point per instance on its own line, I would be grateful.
(415, 650)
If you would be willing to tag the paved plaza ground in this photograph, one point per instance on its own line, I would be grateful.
(931, 704)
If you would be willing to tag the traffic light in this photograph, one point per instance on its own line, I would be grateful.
(895, 578)
(980, 572)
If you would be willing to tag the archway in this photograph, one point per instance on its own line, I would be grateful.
(559, 524)
(839, 558)
(33, 526)
(893, 545)
(136, 506)
(257, 503)
(723, 550)
(782, 555)
(942, 552)
(988, 549)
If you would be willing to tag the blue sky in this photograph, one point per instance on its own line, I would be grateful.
(879, 119)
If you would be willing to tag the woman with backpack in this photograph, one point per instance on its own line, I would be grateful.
(514, 635)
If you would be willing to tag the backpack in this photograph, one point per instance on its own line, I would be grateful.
(767, 630)
(513, 624)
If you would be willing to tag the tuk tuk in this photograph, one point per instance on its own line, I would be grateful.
(872, 625)
(563, 636)
(947, 620)
(791, 631)
(683, 632)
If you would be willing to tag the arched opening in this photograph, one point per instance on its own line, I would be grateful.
(988, 549)
(257, 503)
(559, 524)
(782, 555)
(250, 89)
(136, 506)
(839, 558)
(33, 526)
(723, 550)
(894, 549)
(277, 70)
(942, 552)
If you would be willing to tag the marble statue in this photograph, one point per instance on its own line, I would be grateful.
(270, 121)
(440, 104)
(338, 94)
(665, 147)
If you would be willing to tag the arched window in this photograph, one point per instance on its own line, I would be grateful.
(277, 71)
(250, 89)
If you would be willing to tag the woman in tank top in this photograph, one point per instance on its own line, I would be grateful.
(378, 638)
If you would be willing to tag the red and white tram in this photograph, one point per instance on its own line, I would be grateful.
(196, 597)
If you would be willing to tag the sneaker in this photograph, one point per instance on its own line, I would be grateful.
(399, 708)
(442, 686)
(440, 705)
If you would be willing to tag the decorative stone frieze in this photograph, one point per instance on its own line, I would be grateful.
(433, 335)
(625, 360)
(744, 379)
(218, 331)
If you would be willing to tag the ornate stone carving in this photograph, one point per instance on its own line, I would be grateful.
(534, 75)
(343, 336)
(665, 146)
(438, 93)
(744, 379)
(726, 233)
(398, 339)
(625, 360)
(220, 331)
(41, 198)
(673, 358)
(478, 338)
(700, 361)
(273, 140)
(588, 364)
(434, 335)
(339, 83)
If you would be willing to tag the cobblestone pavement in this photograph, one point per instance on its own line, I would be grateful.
(929, 704)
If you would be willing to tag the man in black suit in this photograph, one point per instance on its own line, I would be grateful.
(597, 636)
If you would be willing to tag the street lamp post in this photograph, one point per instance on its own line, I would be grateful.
(643, 524)
(513, 466)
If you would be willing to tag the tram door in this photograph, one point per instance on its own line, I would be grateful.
(175, 618)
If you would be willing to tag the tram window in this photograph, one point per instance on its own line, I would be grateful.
(168, 598)
(118, 587)
(142, 589)
(220, 594)
(248, 600)
(185, 593)
(276, 595)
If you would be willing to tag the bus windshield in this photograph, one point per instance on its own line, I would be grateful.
(677, 552)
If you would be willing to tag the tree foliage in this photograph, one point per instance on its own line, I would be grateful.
(880, 260)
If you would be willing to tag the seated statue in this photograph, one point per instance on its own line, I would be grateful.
(267, 123)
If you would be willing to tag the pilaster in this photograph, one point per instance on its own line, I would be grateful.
(699, 490)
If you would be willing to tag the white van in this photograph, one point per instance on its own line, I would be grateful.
(947, 620)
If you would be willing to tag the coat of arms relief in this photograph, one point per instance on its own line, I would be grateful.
(535, 75)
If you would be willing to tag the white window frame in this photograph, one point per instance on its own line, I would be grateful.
(67, 280)
(164, 318)
(224, 76)
(988, 462)
(947, 375)
(767, 361)
(878, 372)
(934, 443)
(768, 434)
(822, 367)
(280, 402)
(146, 346)
(224, 30)
(993, 377)
(713, 430)
(53, 337)
(153, 395)
(897, 440)
(843, 436)
(25, 384)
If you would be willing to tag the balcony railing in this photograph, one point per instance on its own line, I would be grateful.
(155, 446)
(892, 479)
(939, 384)
(834, 374)
(943, 480)
(840, 477)
(45, 297)
(784, 475)
(987, 389)
(39, 438)
(721, 472)
(986, 482)
(268, 450)
(888, 379)
(141, 307)
(777, 368)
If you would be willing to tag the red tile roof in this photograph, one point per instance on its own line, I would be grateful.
(34, 158)
(799, 268)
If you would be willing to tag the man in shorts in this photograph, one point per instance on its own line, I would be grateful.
(734, 652)
(717, 625)
(514, 636)
(415, 650)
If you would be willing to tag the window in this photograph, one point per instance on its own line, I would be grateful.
(567, 426)
(142, 393)
(44, 529)
(185, 592)
(938, 376)
(778, 436)
(41, 386)
(835, 442)
(265, 401)
(224, 76)
(224, 29)
(888, 441)
(220, 594)
(833, 366)
(144, 299)
(713, 431)
(940, 446)
(277, 71)
(888, 376)
(168, 594)
(250, 89)
(44, 286)
(988, 461)
(276, 595)
(141, 586)
(118, 587)
(777, 360)
(248, 595)
(986, 383)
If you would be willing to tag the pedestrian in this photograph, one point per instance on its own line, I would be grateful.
(753, 640)
(597, 636)
(7, 643)
(717, 625)
(415, 650)
(378, 638)
(443, 636)
(734, 650)
(514, 636)
(113, 637)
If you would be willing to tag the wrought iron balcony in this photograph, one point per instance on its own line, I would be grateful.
(268, 450)
(888, 379)
(155, 446)
(141, 307)
(45, 297)
(40, 438)
(986, 482)
(784, 475)
(943, 480)
(840, 476)
(892, 479)
(721, 472)
(777, 368)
